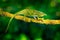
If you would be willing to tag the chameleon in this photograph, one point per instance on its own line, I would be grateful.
(28, 12)
(32, 13)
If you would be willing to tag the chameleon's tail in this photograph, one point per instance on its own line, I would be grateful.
(9, 22)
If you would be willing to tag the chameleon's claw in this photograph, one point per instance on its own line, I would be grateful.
(35, 17)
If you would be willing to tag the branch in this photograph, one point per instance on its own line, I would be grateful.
(26, 19)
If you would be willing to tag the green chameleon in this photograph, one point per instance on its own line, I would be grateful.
(28, 12)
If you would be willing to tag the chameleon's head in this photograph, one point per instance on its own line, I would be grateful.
(39, 13)
(42, 14)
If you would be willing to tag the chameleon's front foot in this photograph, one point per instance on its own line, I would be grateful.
(39, 19)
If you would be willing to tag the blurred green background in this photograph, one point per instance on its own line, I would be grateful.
(20, 30)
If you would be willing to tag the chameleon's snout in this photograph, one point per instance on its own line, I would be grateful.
(45, 14)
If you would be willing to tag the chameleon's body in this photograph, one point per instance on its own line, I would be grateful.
(33, 13)
(28, 12)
